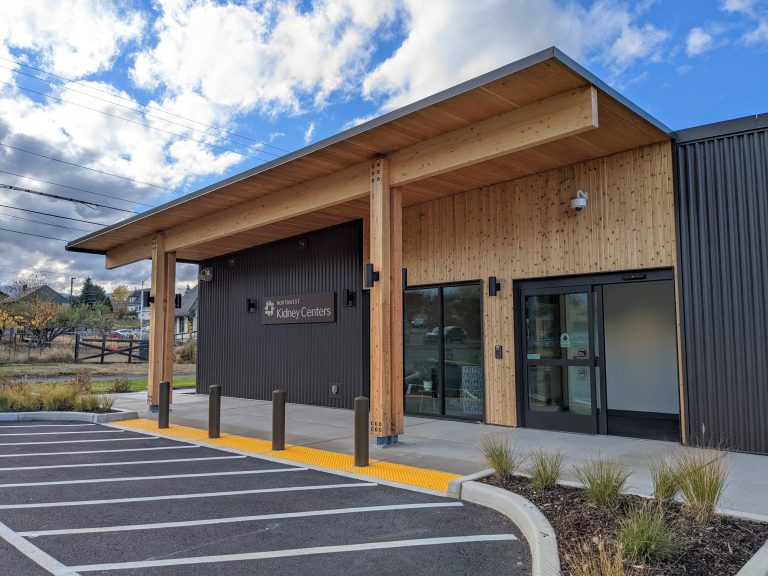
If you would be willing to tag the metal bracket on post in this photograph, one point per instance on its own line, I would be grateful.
(214, 411)
(362, 409)
(165, 404)
(278, 420)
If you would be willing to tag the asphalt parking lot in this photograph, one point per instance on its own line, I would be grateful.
(90, 499)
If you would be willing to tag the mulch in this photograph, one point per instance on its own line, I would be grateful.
(719, 546)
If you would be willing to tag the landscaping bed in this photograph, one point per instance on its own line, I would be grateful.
(717, 546)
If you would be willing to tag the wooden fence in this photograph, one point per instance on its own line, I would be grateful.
(91, 348)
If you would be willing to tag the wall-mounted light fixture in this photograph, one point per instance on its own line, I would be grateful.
(252, 307)
(371, 275)
(493, 286)
(177, 301)
(146, 299)
(405, 278)
(350, 298)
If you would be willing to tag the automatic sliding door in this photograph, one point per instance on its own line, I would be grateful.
(422, 347)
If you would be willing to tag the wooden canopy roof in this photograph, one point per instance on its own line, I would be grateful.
(424, 141)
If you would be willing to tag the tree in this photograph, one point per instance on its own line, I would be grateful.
(25, 283)
(119, 296)
(43, 321)
(93, 294)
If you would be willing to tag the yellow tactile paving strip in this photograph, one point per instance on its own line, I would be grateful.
(432, 479)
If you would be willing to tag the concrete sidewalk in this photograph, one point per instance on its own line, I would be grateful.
(452, 446)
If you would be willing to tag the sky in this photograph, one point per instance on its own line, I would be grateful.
(128, 105)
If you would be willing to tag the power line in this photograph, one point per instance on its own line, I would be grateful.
(53, 215)
(4, 215)
(136, 122)
(93, 205)
(87, 168)
(30, 234)
(147, 114)
(75, 188)
(143, 104)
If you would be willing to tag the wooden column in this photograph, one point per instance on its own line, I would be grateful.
(386, 304)
(160, 310)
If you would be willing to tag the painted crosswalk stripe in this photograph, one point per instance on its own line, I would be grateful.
(186, 496)
(235, 519)
(61, 432)
(77, 441)
(133, 463)
(33, 454)
(295, 552)
(145, 478)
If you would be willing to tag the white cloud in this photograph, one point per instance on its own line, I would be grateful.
(698, 42)
(72, 38)
(456, 36)
(277, 53)
(309, 133)
(743, 6)
(759, 35)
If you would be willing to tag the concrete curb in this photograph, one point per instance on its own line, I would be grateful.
(532, 523)
(757, 565)
(70, 416)
(454, 486)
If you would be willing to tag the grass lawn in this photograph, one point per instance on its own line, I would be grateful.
(139, 384)
(70, 369)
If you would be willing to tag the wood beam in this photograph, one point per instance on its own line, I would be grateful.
(386, 303)
(558, 117)
(564, 115)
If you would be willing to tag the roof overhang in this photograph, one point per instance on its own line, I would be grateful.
(538, 113)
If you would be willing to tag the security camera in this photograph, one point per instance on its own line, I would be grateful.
(205, 274)
(580, 202)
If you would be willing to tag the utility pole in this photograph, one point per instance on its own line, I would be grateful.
(71, 288)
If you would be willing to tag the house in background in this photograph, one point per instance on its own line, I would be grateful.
(3, 295)
(186, 316)
(133, 304)
(40, 293)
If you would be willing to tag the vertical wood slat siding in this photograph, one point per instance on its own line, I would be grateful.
(250, 360)
(525, 229)
(722, 193)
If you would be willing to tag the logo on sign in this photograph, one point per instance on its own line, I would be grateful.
(269, 308)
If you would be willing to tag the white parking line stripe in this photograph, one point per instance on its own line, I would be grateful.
(186, 496)
(296, 552)
(282, 516)
(103, 464)
(44, 425)
(142, 478)
(31, 454)
(35, 554)
(76, 441)
(57, 433)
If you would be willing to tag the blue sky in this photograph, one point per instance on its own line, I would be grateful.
(273, 76)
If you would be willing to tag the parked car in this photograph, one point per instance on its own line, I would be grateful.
(121, 333)
(450, 334)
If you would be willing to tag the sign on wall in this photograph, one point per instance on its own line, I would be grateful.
(299, 308)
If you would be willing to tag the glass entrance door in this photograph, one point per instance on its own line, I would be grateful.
(559, 359)
(443, 353)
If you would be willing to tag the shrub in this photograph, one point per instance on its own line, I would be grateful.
(545, 468)
(498, 452)
(603, 480)
(82, 382)
(93, 403)
(585, 562)
(644, 533)
(666, 479)
(186, 353)
(56, 398)
(702, 481)
(120, 385)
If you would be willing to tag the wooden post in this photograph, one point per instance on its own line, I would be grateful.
(158, 291)
(386, 306)
(77, 347)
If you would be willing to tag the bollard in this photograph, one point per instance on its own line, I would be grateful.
(362, 406)
(165, 404)
(214, 411)
(278, 420)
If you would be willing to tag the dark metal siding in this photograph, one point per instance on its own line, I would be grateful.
(250, 360)
(722, 211)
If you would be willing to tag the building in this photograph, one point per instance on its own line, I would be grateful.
(133, 303)
(185, 326)
(527, 248)
(43, 292)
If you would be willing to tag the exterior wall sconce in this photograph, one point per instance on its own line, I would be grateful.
(371, 275)
(350, 298)
(493, 286)
(405, 279)
(252, 306)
